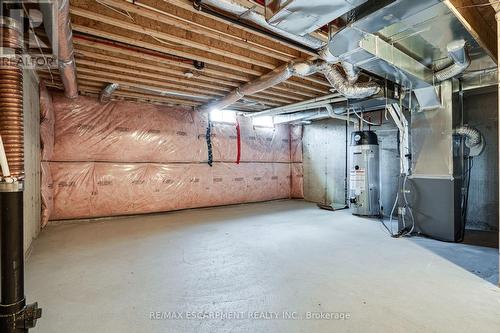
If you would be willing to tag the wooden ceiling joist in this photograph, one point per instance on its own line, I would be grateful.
(213, 70)
(477, 23)
(152, 46)
(157, 11)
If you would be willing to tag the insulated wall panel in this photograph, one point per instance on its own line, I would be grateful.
(97, 189)
(119, 158)
(86, 130)
(297, 190)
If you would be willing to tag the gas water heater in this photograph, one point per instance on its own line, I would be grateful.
(364, 174)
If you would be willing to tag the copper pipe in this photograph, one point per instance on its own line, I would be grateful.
(11, 99)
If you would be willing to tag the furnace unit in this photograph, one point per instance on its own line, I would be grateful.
(364, 174)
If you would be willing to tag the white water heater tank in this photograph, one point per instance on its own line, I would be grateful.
(364, 174)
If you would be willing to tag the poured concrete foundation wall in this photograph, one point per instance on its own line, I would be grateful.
(481, 112)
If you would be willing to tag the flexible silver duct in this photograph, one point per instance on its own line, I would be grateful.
(233, 7)
(351, 72)
(472, 136)
(300, 68)
(457, 51)
(66, 58)
(278, 75)
(473, 139)
(348, 90)
(106, 93)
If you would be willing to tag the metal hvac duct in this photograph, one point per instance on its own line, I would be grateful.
(15, 315)
(246, 14)
(397, 40)
(301, 17)
(66, 58)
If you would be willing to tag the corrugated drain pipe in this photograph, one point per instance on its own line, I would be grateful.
(66, 58)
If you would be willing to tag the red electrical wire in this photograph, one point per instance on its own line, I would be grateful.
(238, 142)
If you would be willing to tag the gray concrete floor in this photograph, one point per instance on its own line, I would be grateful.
(287, 257)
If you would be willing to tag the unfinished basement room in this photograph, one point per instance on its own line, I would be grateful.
(249, 166)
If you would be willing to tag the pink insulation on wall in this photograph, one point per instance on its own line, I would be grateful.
(86, 130)
(123, 158)
(105, 189)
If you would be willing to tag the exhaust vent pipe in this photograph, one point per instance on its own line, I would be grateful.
(106, 93)
(66, 57)
(457, 51)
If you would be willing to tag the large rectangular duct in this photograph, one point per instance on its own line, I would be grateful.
(397, 40)
(301, 17)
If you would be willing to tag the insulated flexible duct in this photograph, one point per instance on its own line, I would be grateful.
(11, 97)
(457, 51)
(472, 135)
(300, 68)
(348, 90)
(351, 72)
(278, 75)
(66, 58)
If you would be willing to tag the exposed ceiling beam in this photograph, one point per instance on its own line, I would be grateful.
(466, 11)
